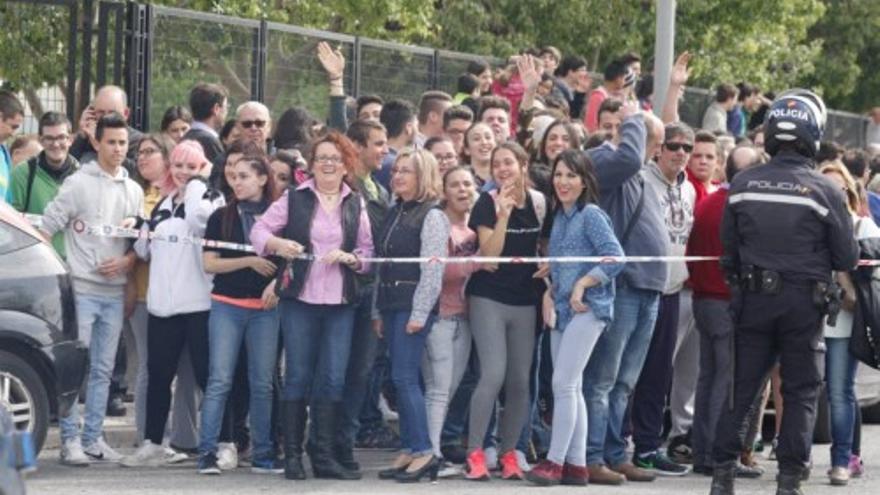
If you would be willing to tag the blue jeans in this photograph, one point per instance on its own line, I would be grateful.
(317, 340)
(840, 372)
(228, 326)
(100, 325)
(613, 370)
(406, 360)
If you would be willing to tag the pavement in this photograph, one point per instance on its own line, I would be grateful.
(54, 479)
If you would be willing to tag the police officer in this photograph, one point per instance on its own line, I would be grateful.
(784, 230)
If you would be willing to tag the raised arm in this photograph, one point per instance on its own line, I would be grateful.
(334, 64)
(677, 79)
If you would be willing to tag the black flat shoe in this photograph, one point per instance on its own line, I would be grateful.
(431, 469)
(390, 473)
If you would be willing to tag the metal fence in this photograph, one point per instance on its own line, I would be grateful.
(158, 53)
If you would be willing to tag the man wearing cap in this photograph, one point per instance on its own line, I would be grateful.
(784, 230)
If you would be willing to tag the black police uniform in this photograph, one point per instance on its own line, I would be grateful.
(789, 227)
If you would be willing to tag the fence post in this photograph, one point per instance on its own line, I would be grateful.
(70, 95)
(140, 53)
(85, 88)
(435, 69)
(356, 63)
(101, 59)
(258, 68)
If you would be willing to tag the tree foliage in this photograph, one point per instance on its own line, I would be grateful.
(826, 44)
(846, 70)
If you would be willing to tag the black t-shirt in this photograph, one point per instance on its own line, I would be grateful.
(240, 284)
(512, 283)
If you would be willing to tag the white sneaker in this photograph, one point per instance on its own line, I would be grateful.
(174, 457)
(387, 413)
(101, 452)
(522, 462)
(491, 458)
(72, 453)
(149, 454)
(449, 470)
(227, 456)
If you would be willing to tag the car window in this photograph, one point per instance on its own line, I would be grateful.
(12, 239)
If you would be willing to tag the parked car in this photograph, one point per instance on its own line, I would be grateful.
(42, 363)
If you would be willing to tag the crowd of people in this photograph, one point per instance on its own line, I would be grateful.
(285, 341)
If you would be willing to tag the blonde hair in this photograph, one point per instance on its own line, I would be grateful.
(428, 184)
(852, 192)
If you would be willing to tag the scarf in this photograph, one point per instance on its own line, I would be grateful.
(247, 212)
(56, 173)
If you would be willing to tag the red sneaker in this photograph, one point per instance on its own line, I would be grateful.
(510, 467)
(546, 473)
(575, 475)
(476, 466)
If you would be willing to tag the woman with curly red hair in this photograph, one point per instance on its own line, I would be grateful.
(322, 230)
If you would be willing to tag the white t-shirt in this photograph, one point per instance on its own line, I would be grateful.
(866, 228)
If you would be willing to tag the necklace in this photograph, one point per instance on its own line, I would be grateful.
(327, 195)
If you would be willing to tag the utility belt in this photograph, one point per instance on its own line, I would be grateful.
(827, 296)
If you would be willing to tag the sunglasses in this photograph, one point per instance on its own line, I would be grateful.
(679, 146)
(247, 124)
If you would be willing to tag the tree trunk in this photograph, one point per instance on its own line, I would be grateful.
(34, 102)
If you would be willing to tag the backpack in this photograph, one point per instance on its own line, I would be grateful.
(32, 172)
(864, 343)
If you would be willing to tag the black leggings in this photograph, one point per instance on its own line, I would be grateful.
(166, 339)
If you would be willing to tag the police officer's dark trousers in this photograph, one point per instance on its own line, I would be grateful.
(788, 325)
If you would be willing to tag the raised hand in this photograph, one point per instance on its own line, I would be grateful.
(680, 70)
(528, 72)
(332, 60)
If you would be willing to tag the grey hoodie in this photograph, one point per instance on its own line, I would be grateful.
(94, 197)
(677, 199)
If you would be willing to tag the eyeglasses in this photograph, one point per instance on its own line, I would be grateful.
(328, 159)
(145, 152)
(50, 140)
(401, 171)
(247, 124)
(679, 146)
(449, 157)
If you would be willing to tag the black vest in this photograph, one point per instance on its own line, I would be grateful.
(401, 238)
(301, 205)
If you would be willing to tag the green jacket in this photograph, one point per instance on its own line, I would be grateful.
(43, 188)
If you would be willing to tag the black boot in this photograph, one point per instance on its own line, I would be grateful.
(789, 484)
(344, 455)
(722, 478)
(324, 464)
(293, 424)
(344, 452)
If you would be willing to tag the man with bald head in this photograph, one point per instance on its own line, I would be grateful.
(107, 99)
(711, 299)
(614, 367)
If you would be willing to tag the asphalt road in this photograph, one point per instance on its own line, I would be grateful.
(52, 479)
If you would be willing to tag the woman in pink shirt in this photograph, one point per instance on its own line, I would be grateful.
(449, 344)
(322, 230)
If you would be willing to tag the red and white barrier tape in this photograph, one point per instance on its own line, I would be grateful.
(121, 232)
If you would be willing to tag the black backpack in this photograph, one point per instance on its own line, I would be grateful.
(864, 344)
(32, 172)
